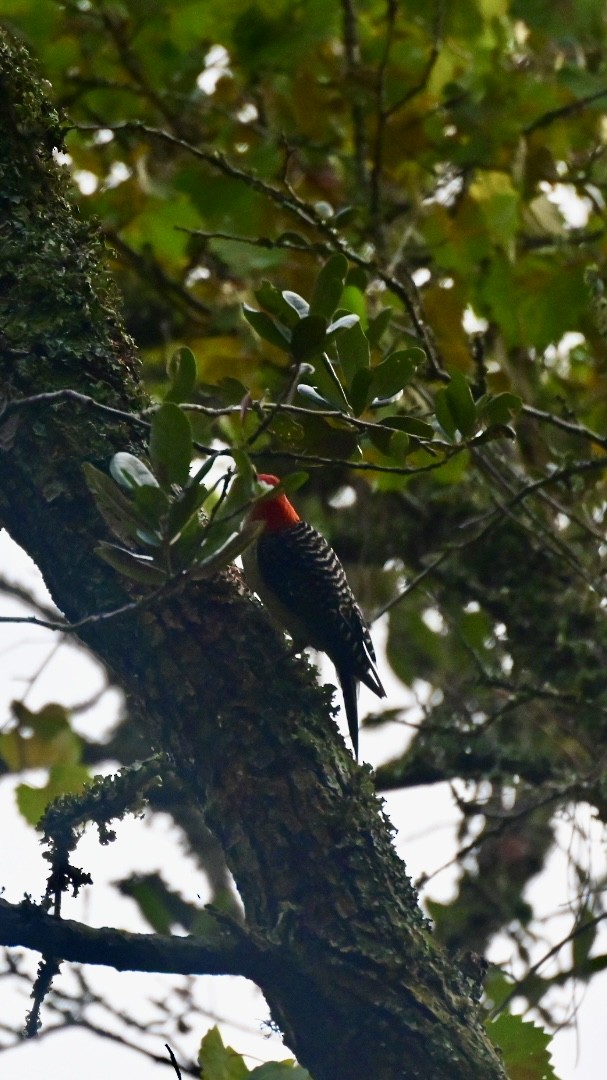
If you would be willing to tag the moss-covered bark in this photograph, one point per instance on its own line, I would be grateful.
(351, 971)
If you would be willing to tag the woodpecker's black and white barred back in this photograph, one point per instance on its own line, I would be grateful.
(304, 586)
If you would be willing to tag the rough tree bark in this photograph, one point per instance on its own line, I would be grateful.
(344, 956)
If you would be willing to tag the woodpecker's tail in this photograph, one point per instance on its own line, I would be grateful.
(372, 680)
(349, 689)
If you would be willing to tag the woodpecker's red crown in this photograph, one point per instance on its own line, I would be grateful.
(276, 513)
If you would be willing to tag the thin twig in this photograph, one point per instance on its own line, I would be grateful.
(411, 585)
(97, 617)
(352, 54)
(422, 82)
(503, 824)
(273, 409)
(380, 125)
(565, 425)
(516, 989)
(173, 1061)
(552, 115)
(53, 397)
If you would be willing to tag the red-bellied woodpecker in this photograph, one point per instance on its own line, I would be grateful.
(301, 581)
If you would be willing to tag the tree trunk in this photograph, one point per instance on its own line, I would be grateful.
(350, 969)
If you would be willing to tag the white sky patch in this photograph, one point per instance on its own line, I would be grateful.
(570, 341)
(198, 273)
(433, 620)
(473, 323)
(103, 136)
(557, 356)
(447, 191)
(119, 172)
(576, 209)
(216, 64)
(248, 113)
(421, 276)
(61, 158)
(344, 497)
(86, 181)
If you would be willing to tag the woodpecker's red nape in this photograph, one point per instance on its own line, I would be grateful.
(276, 513)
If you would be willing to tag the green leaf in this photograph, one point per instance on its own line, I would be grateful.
(219, 1062)
(378, 325)
(239, 496)
(181, 370)
(153, 505)
(353, 351)
(141, 568)
(395, 372)
(118, 511)
(353, 299)
(313, 397)
(185, 544)
(524, 1047)
(443, 413)
(152, 899)
(358, 276)
(273, 301)
(345, 322)
(63, 780)
(594, 965)
(186, 506)
(244, 466)
(280, 1070)
(171, 444)
(328, 384)
(47, 721)
(412, 425)
(380, 438)
(584, 940)
(400, 444)
(232, 390)
(360, 390)
(345, 216)
(297, 302)
(461, 404)
(495, 431)
(498, 409)
(130, 472)
(292, 482)
(266, 328)
(42, 739)
(287, 429)
(218, 552)
(328, 286)
(308, 337)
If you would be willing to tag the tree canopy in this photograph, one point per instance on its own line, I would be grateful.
(360, 245)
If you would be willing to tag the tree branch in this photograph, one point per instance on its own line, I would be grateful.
(221, 952)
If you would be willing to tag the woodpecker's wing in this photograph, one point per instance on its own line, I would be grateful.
(307, 579)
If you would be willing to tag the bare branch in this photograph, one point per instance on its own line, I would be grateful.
(224, 951)
(553, 115)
